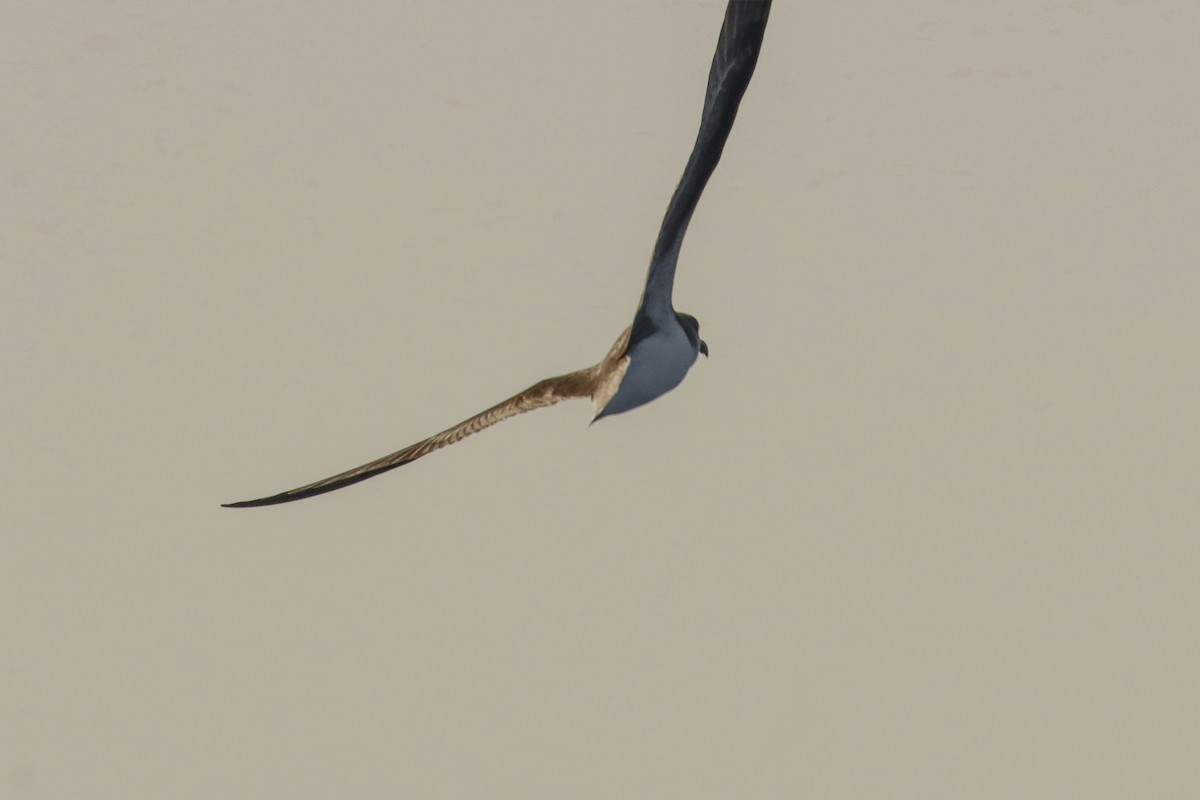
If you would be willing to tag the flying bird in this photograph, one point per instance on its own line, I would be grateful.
(651, 356)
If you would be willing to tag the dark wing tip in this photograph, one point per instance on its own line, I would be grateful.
(274, 499)
(264, 501)
(312, 491)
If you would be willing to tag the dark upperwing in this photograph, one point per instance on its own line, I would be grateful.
(732, 65)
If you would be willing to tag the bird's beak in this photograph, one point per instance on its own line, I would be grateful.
(704, 348)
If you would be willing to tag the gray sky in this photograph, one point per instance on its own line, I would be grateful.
(924, 526)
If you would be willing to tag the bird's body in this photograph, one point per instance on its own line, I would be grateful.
(654, 354)
(657, 364)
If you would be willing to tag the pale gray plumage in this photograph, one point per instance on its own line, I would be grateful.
(654, 354)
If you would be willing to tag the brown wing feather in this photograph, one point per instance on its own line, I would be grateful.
(543, 393)
(599, 382)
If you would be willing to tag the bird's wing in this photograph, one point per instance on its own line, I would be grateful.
(732, 65)
(544, 393)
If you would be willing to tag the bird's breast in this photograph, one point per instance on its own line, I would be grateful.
(655, 366)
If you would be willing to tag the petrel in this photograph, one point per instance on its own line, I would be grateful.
(651, 356)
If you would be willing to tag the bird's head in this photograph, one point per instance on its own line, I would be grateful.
(691, 326)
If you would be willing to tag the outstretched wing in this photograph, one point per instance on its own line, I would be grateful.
(544, 393)
(732, 65)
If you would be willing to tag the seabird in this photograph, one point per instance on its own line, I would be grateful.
(651, 356)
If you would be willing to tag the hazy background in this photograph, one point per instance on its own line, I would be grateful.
(924, 526)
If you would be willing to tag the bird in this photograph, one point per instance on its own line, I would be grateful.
(653, 355)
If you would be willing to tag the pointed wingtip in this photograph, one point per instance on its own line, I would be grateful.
(263, 501)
